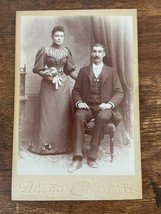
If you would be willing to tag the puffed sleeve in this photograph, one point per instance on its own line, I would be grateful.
(69, 65)
(39, 60)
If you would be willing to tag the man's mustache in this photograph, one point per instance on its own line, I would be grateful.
(96, 57)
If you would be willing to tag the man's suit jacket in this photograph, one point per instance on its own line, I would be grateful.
(111, 89)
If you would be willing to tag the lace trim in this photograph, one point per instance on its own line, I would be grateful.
(57, 53)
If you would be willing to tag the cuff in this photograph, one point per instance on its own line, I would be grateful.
(78, 103)
(112, 105)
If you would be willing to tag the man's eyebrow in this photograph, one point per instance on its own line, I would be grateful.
(97, 50)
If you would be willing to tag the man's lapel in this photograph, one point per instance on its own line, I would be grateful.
(104, 74)
(90, 74)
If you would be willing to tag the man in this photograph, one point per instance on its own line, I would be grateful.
(96, 94)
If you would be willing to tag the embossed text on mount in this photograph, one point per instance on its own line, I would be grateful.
(42, 189)
(117, 188)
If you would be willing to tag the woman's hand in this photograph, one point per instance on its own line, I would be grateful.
(53, 71)
(49, 78)
(46, 75)
(50, 73)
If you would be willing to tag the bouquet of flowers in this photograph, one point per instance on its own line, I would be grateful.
(54, 74)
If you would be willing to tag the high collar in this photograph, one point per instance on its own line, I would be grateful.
(56, 46)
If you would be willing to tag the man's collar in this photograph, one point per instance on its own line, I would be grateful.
(100, 65)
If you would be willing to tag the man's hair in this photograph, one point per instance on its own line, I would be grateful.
(99, 45)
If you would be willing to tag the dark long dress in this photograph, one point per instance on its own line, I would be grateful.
(54, 131)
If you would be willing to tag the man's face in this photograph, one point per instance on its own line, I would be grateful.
(97, 54)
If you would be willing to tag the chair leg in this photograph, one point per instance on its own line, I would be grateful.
(111, 146)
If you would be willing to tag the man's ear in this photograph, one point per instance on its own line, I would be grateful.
(104, 54)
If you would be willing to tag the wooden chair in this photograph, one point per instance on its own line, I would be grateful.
(110, 130)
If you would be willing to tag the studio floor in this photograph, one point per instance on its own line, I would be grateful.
(123, 162)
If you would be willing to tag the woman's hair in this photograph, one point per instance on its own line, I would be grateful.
(57, 28)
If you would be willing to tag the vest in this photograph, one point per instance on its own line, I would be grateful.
(95, 97)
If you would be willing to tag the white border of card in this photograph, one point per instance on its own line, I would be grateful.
(27, 185)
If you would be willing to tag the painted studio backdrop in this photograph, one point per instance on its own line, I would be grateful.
(115, 32)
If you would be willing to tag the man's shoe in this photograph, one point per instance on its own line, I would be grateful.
(92, 163)
(75, 165)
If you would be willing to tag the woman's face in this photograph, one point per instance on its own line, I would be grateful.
(58, 37)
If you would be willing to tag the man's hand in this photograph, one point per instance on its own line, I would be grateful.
(103, 106)
(82, 105)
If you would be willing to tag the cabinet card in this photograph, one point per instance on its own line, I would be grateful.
(44, 106)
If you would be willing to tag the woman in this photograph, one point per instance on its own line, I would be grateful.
(54, 64)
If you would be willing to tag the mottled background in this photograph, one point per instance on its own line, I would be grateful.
(36, 32)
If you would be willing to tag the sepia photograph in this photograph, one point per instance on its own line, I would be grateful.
(76, 112)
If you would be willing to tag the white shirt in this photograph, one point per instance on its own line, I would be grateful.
(97, 69)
